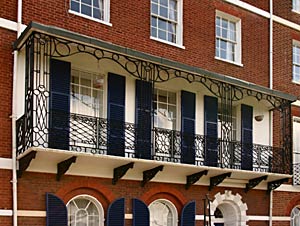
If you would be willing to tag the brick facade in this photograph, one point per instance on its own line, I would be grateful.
(131, 29)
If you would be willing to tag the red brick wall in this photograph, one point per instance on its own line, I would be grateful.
(6, 71)
(284, 10)
(5, 221)
(283, 56)
(261, 4)
(257, 201)
(8, 10)
(5, 189)
(284, 202)
(133, 31)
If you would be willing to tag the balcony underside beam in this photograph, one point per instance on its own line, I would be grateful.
(24, 162)
(192, 179)
(120, 171)
(64, 166)
(214, 181)
(254, 182)
(149, 174)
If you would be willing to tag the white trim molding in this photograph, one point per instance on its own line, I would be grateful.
(31, 213)
(8, 24)
(6, 213)
(249, 7)
(6, 163)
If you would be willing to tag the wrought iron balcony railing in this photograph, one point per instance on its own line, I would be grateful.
(296, 174)
(91, 135)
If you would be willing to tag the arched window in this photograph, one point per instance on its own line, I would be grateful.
(295, 216)
(85, 210)
(163, 213)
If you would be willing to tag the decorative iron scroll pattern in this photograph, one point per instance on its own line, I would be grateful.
(50, 46)
(89, 134)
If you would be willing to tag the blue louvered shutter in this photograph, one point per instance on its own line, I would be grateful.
(116, 115)
(56, 211)
(211, 130)
(188, 111)
(116, 213)
(59, 104)
(143, 119)
(140, 213)
(247, 137)
(188, 214)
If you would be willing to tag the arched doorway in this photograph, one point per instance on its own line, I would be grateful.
(228, 210)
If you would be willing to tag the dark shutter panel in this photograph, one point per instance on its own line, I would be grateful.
(56, 211)
(116, 115)
(247, 137)
(143, 119)
(116, 213)
(188, 110)
(211, 130)
(188, 214)
(140, 213)
(59, 107)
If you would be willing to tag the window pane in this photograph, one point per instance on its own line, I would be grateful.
(96, 13)
(88, 2)
(162, 24)
(164, 2)
(74, 6)
(96, 3)
(163, 11)
(154, 8)
(86, 10)
(162, 34)
(153, 32)
(153, 21)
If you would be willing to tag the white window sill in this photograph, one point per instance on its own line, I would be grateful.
(296, 82)
(90, 18)
(166, 42)
(230, 62)
(295, 11)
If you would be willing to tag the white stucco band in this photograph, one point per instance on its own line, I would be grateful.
(232, 208)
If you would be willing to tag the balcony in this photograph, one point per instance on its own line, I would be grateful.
(92, 135)
(213, 127)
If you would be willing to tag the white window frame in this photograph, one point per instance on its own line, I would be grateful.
(296, 6)
(157, 102)
(106, 12)
(293, 215)
(179, 26)
(238, 45)
(171, 207)
(296, 148)
(94, 77)
(92, 200)
(296, 44)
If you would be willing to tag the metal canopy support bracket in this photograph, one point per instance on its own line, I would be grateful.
(275, 184)
(193, 178)
(149, 174)
(214, 181)
(24, 162)
(254, 182)
(120, 171)
(63, 167)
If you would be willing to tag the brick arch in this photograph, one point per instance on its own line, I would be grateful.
(165, 192)
(98, 191)
(293, 203)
